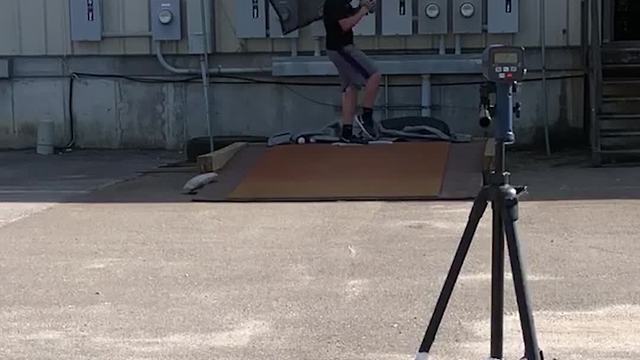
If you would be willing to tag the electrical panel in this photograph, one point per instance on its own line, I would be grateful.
(397, 17)
(166, 20)
(195, 26)
(86, 20)
(288, 11)
(433, 17)
(251, 19)
(366, 26)
(275, 27)
(503, 16)
(467, 16)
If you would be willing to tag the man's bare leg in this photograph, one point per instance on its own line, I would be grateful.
(371, 91)
(370, 96)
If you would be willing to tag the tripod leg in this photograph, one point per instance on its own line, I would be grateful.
(479, 207)
(510, 213)
(497, 283)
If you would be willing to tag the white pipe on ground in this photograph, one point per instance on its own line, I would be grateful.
(45, 137)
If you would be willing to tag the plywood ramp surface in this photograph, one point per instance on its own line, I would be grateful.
(323, 171)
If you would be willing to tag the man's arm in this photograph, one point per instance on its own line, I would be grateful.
(349, 22)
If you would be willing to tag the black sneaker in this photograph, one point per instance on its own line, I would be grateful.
(354, 139)
(346, 139)
(367, 128)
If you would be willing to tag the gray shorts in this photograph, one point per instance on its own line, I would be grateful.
(354, 67)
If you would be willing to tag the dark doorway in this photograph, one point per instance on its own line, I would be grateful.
(626, 20)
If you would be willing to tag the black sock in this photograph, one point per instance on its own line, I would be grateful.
(367, 115)
(347, 131)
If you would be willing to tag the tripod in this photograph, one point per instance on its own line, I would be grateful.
(504, 200)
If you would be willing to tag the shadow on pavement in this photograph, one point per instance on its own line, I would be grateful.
(158, 177)
(570, 176)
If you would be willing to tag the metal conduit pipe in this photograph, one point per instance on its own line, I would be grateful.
(213, 71)
(426, 95)
(204, 66)
(386, 96)
(543, 56)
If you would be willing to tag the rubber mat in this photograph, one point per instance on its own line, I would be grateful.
(324, 172)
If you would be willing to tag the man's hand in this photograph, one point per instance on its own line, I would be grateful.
(348, 23)
(369, 5)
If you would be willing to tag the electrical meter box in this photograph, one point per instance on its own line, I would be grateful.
(366, 26)
(503, 16)
(467, 16)
(195, 26)
(251, 19)
(86, 20)
(433, 16)
(397, 17)
(166, 20)
(275, 26)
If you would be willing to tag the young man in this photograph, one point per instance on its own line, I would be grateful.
(355, 68)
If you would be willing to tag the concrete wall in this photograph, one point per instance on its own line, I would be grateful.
(119, 113)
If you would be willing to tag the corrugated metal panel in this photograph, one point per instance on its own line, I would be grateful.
(309, 43)
(31, 27)
(57, 25)
(556, 20)
(575, 23)
(9, 44)
(136, 20)
(422, 42)
(529, 34)
(226, 38)
(41, 27)
(113, 23)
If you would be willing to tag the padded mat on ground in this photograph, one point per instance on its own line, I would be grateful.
(324, 172)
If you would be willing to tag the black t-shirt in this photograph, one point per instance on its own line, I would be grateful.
(334, 11)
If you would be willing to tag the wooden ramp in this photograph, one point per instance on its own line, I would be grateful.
(324, 172)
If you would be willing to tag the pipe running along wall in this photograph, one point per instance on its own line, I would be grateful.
(214, 71)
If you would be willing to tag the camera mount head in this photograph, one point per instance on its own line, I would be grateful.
(503, 66)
